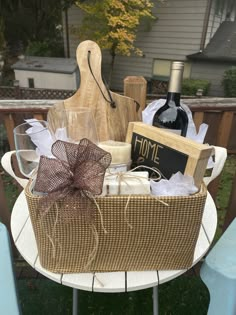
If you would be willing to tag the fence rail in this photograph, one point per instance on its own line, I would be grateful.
(218, 113)
(155, 87)
(16, 92)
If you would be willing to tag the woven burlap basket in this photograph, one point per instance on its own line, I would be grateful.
(150, 234)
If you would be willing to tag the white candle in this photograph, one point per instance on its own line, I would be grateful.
(120, 151)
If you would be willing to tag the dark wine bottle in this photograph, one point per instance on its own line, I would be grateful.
(171, 115)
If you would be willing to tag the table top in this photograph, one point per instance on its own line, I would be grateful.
(112, 282)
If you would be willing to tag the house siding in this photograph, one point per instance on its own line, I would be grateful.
(212, 71)
(74, 20)
(176, 34)
(216, 18)
(177, 31)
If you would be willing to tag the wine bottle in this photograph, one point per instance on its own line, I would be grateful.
(171, 115)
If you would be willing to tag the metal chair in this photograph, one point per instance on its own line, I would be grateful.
(219, 274)
(9, 303)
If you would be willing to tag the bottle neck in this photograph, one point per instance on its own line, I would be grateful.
(174, 97)
(176, 76)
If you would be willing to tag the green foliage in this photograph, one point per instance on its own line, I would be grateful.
(38, 20)
(113, 23)
(190, 86)
(2, 38)
(229, 83)
(46, 48)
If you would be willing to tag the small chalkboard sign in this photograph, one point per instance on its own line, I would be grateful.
(151, 153)
(167, 152)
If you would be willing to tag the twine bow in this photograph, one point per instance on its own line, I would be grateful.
(124, 176)
(78, 171)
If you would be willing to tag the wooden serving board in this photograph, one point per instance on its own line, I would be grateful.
(111, 123)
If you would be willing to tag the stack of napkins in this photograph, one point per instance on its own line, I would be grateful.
(129, 183)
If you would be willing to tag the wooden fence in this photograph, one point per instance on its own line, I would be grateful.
(218, 113)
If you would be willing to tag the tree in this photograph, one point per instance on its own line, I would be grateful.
(2, 38)
(113, 24)
(38, 20)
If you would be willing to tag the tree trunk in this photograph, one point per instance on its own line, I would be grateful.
(113, 55)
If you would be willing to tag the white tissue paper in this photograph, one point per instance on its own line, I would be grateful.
(61, 134)
(45, 138)
(177, 185)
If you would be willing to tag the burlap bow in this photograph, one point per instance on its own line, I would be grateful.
(78, 170)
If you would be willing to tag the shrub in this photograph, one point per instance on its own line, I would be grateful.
(229, 83)
(46, 48)
(190, 86)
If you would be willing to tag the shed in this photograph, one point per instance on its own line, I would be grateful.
(47, 72)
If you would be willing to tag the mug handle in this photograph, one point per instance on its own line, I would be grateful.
(6, 164)
(220, 158)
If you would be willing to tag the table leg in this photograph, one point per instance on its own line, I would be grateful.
(75, 302)
(155, 300)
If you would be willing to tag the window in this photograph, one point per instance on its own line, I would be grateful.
(31, 82)
(161, 69)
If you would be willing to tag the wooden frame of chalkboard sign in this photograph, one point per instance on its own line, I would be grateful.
(168, 152)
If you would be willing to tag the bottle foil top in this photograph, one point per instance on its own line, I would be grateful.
(176, 76)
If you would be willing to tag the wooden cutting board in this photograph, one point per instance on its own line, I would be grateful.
(111, 119)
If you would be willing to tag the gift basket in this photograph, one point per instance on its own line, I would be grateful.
(89, 219)
(136, 233)
(92, 202)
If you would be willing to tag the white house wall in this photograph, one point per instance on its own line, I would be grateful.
(176, 33)
(47, 80)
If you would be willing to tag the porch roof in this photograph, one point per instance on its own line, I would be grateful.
(46, 64)
(222, 46)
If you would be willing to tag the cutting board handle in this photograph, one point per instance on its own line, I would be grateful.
(89, 59)
(112, 111)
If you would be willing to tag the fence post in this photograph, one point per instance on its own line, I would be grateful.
(16, 85)
(136, 88)
(5, 215)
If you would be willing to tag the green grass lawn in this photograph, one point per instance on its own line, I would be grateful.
(183, 296)
(186, 294)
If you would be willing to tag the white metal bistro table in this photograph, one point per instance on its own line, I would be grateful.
(107, 282)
